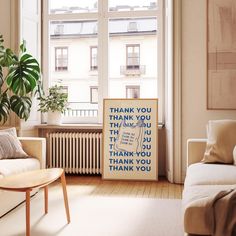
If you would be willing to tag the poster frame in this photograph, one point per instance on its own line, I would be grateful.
(108, 101)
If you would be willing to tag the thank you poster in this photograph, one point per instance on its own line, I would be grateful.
(130, 139)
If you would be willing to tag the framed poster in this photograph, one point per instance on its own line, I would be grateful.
(221, 54)
(130, 139)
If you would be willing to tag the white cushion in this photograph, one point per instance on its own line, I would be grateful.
(204, 174)
(16, 166)
(194, 209)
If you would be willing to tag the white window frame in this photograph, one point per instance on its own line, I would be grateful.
(128, 57)
(102, 17)
(57, 59)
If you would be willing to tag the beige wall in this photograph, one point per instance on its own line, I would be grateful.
(5, 20)
(194, 112)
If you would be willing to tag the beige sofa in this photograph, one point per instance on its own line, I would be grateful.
(34, 147)
(201, 181)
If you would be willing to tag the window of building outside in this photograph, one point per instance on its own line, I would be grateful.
(93, 94)
(93, 58)
(115, 51)
(61, 58)
(132, 56)
(132, 91)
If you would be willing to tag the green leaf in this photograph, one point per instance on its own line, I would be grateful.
(1, 77)
(4, 107)
(21, 106)
(22, 46)
(55, 101)
(6, 57)
(22, 81)
(1, 38)
(24, 76)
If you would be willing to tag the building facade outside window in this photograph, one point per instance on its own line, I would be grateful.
(115, 51)
(93, 58)
(59, 29)
(132, 91)
(61, 58)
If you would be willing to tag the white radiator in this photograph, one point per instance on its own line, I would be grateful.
(76, 153)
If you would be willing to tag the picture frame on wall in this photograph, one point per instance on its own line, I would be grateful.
(130, 139)
(221, 55)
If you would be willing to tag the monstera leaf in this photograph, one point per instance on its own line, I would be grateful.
(23, 76)
(1, 77)
(21, 82)
(6, 57)
(5, 107)
(21, 106)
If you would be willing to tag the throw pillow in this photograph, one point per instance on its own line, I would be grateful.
(234, 155)
(10, 146)
(11, 131)
(221, 141)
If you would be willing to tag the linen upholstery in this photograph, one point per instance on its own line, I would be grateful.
(234, 155)
(35, 147)
(11, 131)
(17, 166)
(209, 174)
(202, 181)
(194, 209)
(221, 141)
(10, 147)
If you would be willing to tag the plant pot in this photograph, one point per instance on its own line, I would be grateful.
(54, 118)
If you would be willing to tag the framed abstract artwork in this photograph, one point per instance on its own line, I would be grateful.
(221, 54)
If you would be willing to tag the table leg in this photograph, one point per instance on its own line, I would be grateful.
(46, 199)
(63, 182)
(27, 193)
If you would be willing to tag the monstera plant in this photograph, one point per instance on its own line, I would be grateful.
(21, 82)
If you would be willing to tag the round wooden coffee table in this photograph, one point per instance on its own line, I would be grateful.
(27, 181)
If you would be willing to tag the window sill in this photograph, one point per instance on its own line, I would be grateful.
(80, 126)
(71, 126)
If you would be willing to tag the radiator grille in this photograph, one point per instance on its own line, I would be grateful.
(78, 153)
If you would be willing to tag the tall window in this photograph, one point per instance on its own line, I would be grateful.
(132, 91)
(94, 94)
(113, 44)
(93, 58)
(133, 56)
(61, 58)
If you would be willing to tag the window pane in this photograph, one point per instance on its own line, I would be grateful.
(93, 94)
(132, 5)
(72, 6)
(133, 58)
(71, 55)
(132, 91)
(93, 58)
(61, 58)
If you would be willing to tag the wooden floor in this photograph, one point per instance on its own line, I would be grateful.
(95, 186)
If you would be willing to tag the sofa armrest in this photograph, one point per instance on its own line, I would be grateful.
(35, 147)
(195, 150)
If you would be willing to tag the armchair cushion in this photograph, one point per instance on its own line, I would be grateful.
(210, 174)
(17, 166)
